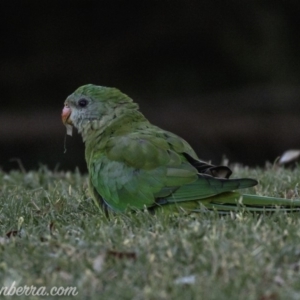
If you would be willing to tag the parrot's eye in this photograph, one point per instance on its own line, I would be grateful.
(82, 102)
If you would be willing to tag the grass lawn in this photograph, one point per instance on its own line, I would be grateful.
(52, 235)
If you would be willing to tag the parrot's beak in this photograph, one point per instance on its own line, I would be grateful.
(65, 116)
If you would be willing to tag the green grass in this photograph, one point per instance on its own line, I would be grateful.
(58, 237)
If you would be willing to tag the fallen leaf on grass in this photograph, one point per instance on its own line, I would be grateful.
(272, 296)
(51, 227)
(295, 266)
(65, 276)
(121, 255)
(12, 233)
(279, 280)
(289, 156)
(98, 263)
(3, 240)
(186, 280)
(291, 194)
(51, 230)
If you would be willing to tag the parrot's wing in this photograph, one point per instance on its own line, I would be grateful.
(139, 170)
(134, 170)
(207, 186)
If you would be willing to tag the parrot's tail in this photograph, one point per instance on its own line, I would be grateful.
(234, 201)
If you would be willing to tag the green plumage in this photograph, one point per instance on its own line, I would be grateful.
(133, 164)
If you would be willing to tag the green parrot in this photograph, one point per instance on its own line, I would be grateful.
(133, 164)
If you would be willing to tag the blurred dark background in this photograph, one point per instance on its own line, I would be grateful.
(222, 74)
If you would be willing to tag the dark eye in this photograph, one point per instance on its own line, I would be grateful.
(82, 102)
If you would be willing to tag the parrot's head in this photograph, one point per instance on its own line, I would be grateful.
(94, 105)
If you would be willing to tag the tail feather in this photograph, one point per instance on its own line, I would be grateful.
(234, 201)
